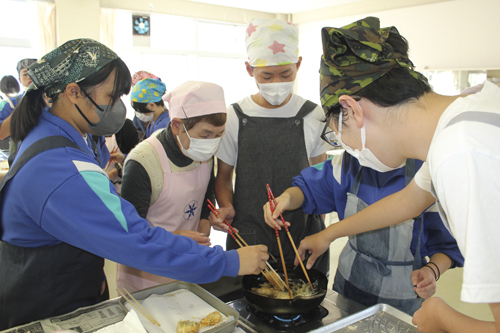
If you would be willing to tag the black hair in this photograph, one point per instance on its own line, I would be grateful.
(25, 116)
(127, 137)
(141, 107)
(396, 87)
(9, 85)
(215, 119)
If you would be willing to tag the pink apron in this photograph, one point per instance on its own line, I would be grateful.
(177, 208)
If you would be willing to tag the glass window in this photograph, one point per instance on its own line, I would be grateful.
(230, 74)
(172, 69)
(173, 33)
(216, 37)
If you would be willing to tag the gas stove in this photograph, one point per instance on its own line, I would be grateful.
(333, 308)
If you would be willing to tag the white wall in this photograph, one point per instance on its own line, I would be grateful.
(77, 19)
(458, 34)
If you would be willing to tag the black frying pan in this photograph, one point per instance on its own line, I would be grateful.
(286, 307)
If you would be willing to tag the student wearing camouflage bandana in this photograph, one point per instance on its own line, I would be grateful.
(370, 90)
(60, 215)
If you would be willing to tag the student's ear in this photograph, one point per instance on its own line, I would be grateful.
(353, 109)
(299, 62)
(73, 92)
(176, 126)
(249, 68)
(151, 106)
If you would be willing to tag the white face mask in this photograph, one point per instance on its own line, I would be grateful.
(365, 157)
(142, 117)
(200, 149)
(275, 93)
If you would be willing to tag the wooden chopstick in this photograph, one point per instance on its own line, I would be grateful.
(114, 150)
(136, 305)
(281, 250)
(271, 274)
(271, 195)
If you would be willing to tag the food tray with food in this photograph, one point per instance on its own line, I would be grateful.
(379, 318)
(185, 308)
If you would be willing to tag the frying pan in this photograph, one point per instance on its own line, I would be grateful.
(286, 307)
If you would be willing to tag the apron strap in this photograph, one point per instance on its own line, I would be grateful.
(306, 108)
(36, 148)
(238, 110)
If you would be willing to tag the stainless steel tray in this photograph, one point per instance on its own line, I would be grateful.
(226, 327)
(380, 318)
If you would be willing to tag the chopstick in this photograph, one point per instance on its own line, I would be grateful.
(281, 250)
(271, 195)
(114, 150)
(271, 275)
(136, 305)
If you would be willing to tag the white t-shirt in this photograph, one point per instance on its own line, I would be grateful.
(315, 146)
(464, 165)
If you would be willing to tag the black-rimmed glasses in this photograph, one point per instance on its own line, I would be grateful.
(328, 135)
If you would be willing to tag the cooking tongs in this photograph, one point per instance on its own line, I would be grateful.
(269, 273)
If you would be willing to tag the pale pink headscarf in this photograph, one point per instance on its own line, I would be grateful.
(141, 75)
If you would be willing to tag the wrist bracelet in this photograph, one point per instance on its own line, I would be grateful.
(433, 271)
(439, 272)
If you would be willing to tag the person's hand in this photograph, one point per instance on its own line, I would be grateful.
(271, 219)
(252, 259)
(225, 213)
(112, 173)
(429, 317)
(316, 245)
(198, 237)
(116, 157)
(424, 281)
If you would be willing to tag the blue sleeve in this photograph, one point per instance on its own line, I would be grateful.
(317, 184)
(6, 111)
(97, 220)
(104, 154)
(437, 239)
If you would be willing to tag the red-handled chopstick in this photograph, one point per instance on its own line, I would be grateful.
(271, 196)
(281, 250)
(114, 150)
(271, 275)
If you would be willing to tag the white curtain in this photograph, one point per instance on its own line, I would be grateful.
(108, 17)
(46, 27)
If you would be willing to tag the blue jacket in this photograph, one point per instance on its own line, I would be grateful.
(63, 195)
(160, 123)
(325, 188)
(6, 110)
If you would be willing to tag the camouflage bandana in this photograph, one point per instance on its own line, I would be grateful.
(355, 56)
(73, 61)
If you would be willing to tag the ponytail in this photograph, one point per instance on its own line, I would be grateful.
(25, 115)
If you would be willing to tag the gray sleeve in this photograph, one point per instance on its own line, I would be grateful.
(136, 187)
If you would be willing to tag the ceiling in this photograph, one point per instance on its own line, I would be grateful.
(278, 6)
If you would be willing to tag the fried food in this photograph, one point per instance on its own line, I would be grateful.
(211, 319)
(297, 288)
(187, 326)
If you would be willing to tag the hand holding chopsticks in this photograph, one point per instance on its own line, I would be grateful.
(138, 306)
(273, 201)
(269, 273)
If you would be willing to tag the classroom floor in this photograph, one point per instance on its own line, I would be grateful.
(448, 286)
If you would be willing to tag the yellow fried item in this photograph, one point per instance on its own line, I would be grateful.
(212, 319)
(187, 326)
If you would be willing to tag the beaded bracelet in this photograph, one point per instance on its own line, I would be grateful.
(439, 272)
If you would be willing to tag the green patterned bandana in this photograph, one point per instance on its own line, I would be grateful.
(73, 61)
(355, 56)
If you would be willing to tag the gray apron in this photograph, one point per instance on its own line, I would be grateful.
(271, 151)
(376, 266)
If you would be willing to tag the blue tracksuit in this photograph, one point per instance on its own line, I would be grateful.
(63, 195)
(325, 188)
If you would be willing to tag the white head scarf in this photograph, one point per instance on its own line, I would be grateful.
(272, 42)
